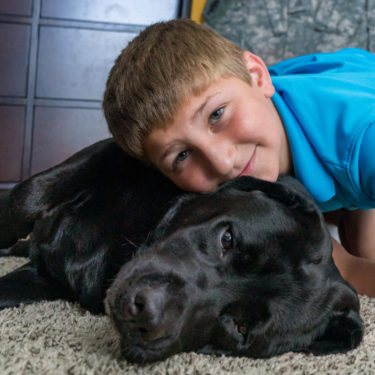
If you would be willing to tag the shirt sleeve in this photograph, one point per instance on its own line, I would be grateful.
(367, 162)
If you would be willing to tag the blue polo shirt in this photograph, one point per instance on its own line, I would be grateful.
(327, 104)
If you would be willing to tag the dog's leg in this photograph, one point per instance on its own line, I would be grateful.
(24, 285)
(18, 212)
(7, 233)
(19, 249)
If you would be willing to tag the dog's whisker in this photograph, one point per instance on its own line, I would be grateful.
(127, 241)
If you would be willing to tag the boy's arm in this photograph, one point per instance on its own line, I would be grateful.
(357, 227)
(358, 271)
(357, 232)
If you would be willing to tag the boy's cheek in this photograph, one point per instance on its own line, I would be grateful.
(194, 182)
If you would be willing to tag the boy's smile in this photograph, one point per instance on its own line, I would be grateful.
(229, 130)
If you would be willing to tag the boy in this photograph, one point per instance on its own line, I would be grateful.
(199, 109)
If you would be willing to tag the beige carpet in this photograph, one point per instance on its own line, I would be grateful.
(59, 338)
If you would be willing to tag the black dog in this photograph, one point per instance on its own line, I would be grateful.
(246, 270)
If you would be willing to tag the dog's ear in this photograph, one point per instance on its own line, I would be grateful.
(293, 194)
(287, 190)
(24, 285)
(292, 184)
(343, 332)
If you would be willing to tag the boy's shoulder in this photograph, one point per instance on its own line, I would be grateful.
(345, 60)
(330, 81)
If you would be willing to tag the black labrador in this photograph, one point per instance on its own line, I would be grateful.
(246, 270)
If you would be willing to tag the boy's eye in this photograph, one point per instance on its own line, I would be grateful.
(181, 157)
(215, 116)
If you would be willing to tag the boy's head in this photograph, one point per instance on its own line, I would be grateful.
(154, 75)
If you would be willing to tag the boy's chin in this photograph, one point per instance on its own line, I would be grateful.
(270, 177)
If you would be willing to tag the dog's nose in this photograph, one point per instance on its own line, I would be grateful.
(144, 313)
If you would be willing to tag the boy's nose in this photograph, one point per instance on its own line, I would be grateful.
(220, 157)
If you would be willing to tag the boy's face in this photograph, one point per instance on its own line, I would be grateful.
(229, 130)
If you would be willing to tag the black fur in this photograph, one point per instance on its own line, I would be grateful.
(246, 270)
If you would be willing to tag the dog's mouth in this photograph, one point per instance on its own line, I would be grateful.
(149, 337)
(148, 312)
(150, 351)
(147, 340)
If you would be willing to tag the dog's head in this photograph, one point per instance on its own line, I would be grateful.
(246, 270)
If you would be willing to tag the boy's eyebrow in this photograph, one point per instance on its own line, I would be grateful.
(201, 107)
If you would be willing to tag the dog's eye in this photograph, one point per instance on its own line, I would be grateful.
(227, 239)
(241, 328)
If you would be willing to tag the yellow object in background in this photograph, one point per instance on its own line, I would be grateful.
(197, 7)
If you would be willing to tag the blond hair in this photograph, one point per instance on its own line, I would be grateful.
(158, 71)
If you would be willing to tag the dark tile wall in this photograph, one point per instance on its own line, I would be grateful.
(54, 59)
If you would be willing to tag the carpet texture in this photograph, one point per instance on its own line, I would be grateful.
(59, 338)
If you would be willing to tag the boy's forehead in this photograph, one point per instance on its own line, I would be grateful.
(192, 105)
(194, 102)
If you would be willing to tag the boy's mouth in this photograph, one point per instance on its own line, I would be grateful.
(247, 171)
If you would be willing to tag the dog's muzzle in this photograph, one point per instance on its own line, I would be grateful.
(144, 311)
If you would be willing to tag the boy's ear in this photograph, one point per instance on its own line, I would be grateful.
(259, 73)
